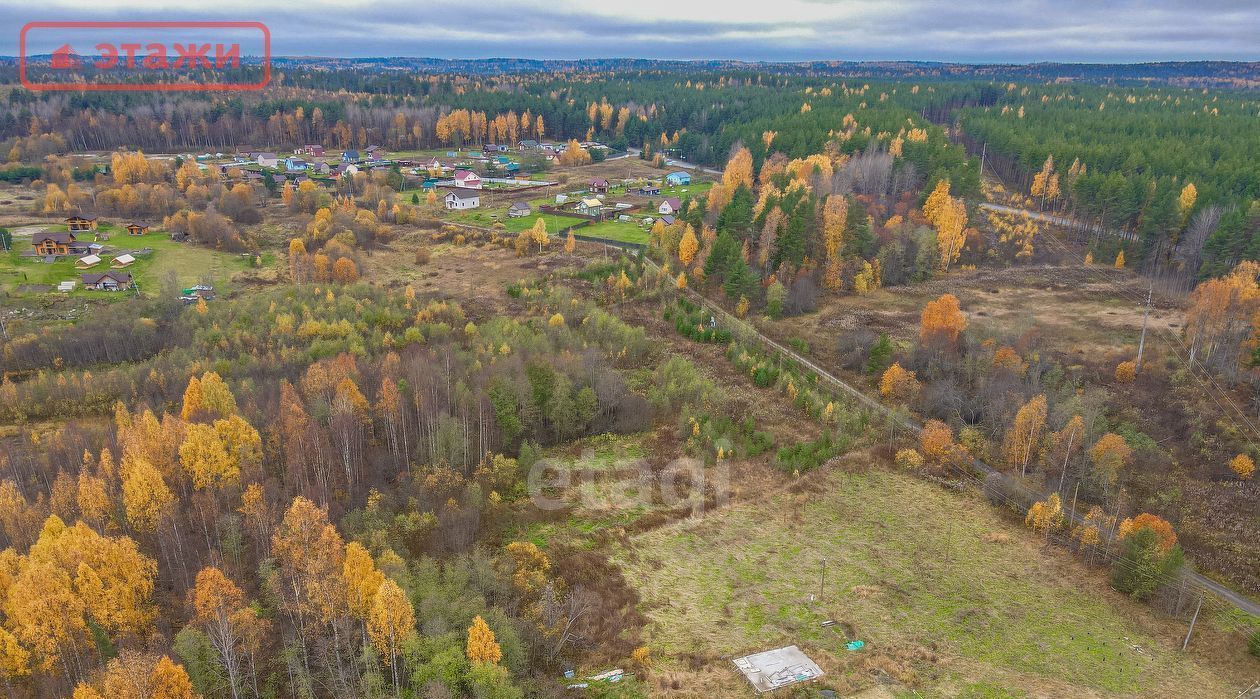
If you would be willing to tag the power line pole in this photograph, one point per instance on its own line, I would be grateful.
(822, 580)
(1192, 620)
(1142, 342)
(983, 150)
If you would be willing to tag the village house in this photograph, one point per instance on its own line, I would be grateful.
(350, 156)
(528, 144)
(377, 153)
(268, 159)
(598, 185)
(650, 190)
(313, 150)
(590, 206)
(678, 178)
(294, 164)
(456, 201)
(670, 206)
(53, 243)
(518, 209)
(467, 179)
(108, 281)
(81, 223)
(319, 168)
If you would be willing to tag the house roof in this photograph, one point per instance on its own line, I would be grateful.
(465, 174)
(141, 224)
(120, 277)
(88, 260)
(59, 238)
(592, 201)
(599, 182)
(78, 217)
(519, 205)
(124, 259)
(679, 173)
(667, 220)
(267, 155)
(463, 195)
(673, 203)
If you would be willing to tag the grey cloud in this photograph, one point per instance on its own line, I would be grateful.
(989, 31)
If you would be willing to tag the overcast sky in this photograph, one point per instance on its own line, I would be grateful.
(975, 31)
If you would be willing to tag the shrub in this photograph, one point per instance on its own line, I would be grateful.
(1126, 372)
(804, 456)
(1143, 564)
(423, 256)
(909, 459)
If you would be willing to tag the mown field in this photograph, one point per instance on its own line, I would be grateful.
(950, 599)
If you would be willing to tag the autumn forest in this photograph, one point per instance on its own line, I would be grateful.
(991, 342)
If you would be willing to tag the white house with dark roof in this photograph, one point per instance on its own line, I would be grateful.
(457, 201)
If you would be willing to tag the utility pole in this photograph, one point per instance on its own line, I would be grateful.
(1192, 620)
(1142, 341)
(822, 580)
(983, 149)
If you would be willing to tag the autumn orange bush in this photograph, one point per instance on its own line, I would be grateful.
(909, 459)
(899, 385)
(1243, 466)
(936, 441)
(1126, 372)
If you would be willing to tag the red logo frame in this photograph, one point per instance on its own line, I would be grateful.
(164, 87)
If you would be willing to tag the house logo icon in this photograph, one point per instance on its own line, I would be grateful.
(64, 58)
